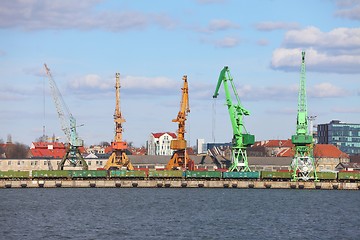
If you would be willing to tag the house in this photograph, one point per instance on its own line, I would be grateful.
(348, 166)
(159, 143)
(47, 150)
(269, 148)
(327, 157)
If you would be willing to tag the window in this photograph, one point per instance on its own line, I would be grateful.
(89, 163)
(9, 163)
(18, 162)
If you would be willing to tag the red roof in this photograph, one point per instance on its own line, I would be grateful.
(157, 135)
(289, 152)
(49, 153)
(45, 145)
(320, 150)
(274, 143)
(328, 150)
(108, 149)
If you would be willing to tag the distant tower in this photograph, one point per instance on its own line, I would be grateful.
(311, 125)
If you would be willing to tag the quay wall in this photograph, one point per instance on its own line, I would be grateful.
(177, 184)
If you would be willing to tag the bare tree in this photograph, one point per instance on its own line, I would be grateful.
(104, 144)
(17, 150)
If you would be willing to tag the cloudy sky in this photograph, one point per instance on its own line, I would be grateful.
(154, 43)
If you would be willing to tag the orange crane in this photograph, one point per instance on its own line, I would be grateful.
(180, 158)
(118, 158)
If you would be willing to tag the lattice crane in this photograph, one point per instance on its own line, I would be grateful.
(241, 139)
(180, 158)
(302, 165)
(118, 158)
(72, 157)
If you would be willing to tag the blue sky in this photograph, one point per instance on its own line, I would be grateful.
(154, 43)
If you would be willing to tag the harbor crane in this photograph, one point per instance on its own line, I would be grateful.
(118, 158)
(180, 158)
(72, 157)
(241, 139)
(302, 165)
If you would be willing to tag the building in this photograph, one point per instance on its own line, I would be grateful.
(200, 146)
(159, 143)
(47, 150)
(345, 136)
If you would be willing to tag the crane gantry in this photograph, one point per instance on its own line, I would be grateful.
(118, 158)
(302, 165)
(240, 140)
(72, 157)
(180, 158)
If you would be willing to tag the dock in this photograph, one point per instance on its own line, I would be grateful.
(178, 184)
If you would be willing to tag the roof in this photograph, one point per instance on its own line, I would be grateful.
(47, 153)
(353, 165)
(157, 135)
(320, 151)
(274, 143)
(328, 150)
(45, 145)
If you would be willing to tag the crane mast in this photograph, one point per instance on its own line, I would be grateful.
(302, 165)
(72, 156)
(240, 140)
(180, 158)
(118, 158)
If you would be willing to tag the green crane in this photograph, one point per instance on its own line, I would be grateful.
(302, 165)
(240, 140)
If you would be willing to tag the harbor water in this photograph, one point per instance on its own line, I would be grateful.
(164, 213)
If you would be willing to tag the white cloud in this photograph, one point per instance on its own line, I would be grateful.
(91, 81)
(270, 26)
(217, 25)
(345, 110)
(68, 14)
(337, 51)
(134, 84)
(326, 90)
(348, 9)
(222, 24)
(290, 60)
(227, 42)
(338, 38)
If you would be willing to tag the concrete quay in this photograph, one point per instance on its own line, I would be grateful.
(177, 184)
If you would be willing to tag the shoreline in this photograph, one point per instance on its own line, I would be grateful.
(177, 184)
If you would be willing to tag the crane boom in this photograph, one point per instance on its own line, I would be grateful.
(180, 158)
(236, 112)
(302, 165)
(72, 155)
(59, 102)
(118, 159)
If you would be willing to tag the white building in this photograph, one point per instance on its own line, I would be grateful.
(200, 145)
(159, 143)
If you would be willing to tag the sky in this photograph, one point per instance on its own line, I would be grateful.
(152, 44)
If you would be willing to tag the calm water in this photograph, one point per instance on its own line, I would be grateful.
(120, 213)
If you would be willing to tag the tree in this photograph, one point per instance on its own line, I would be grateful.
(104, 144)
(17, 150)
(2, 150)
